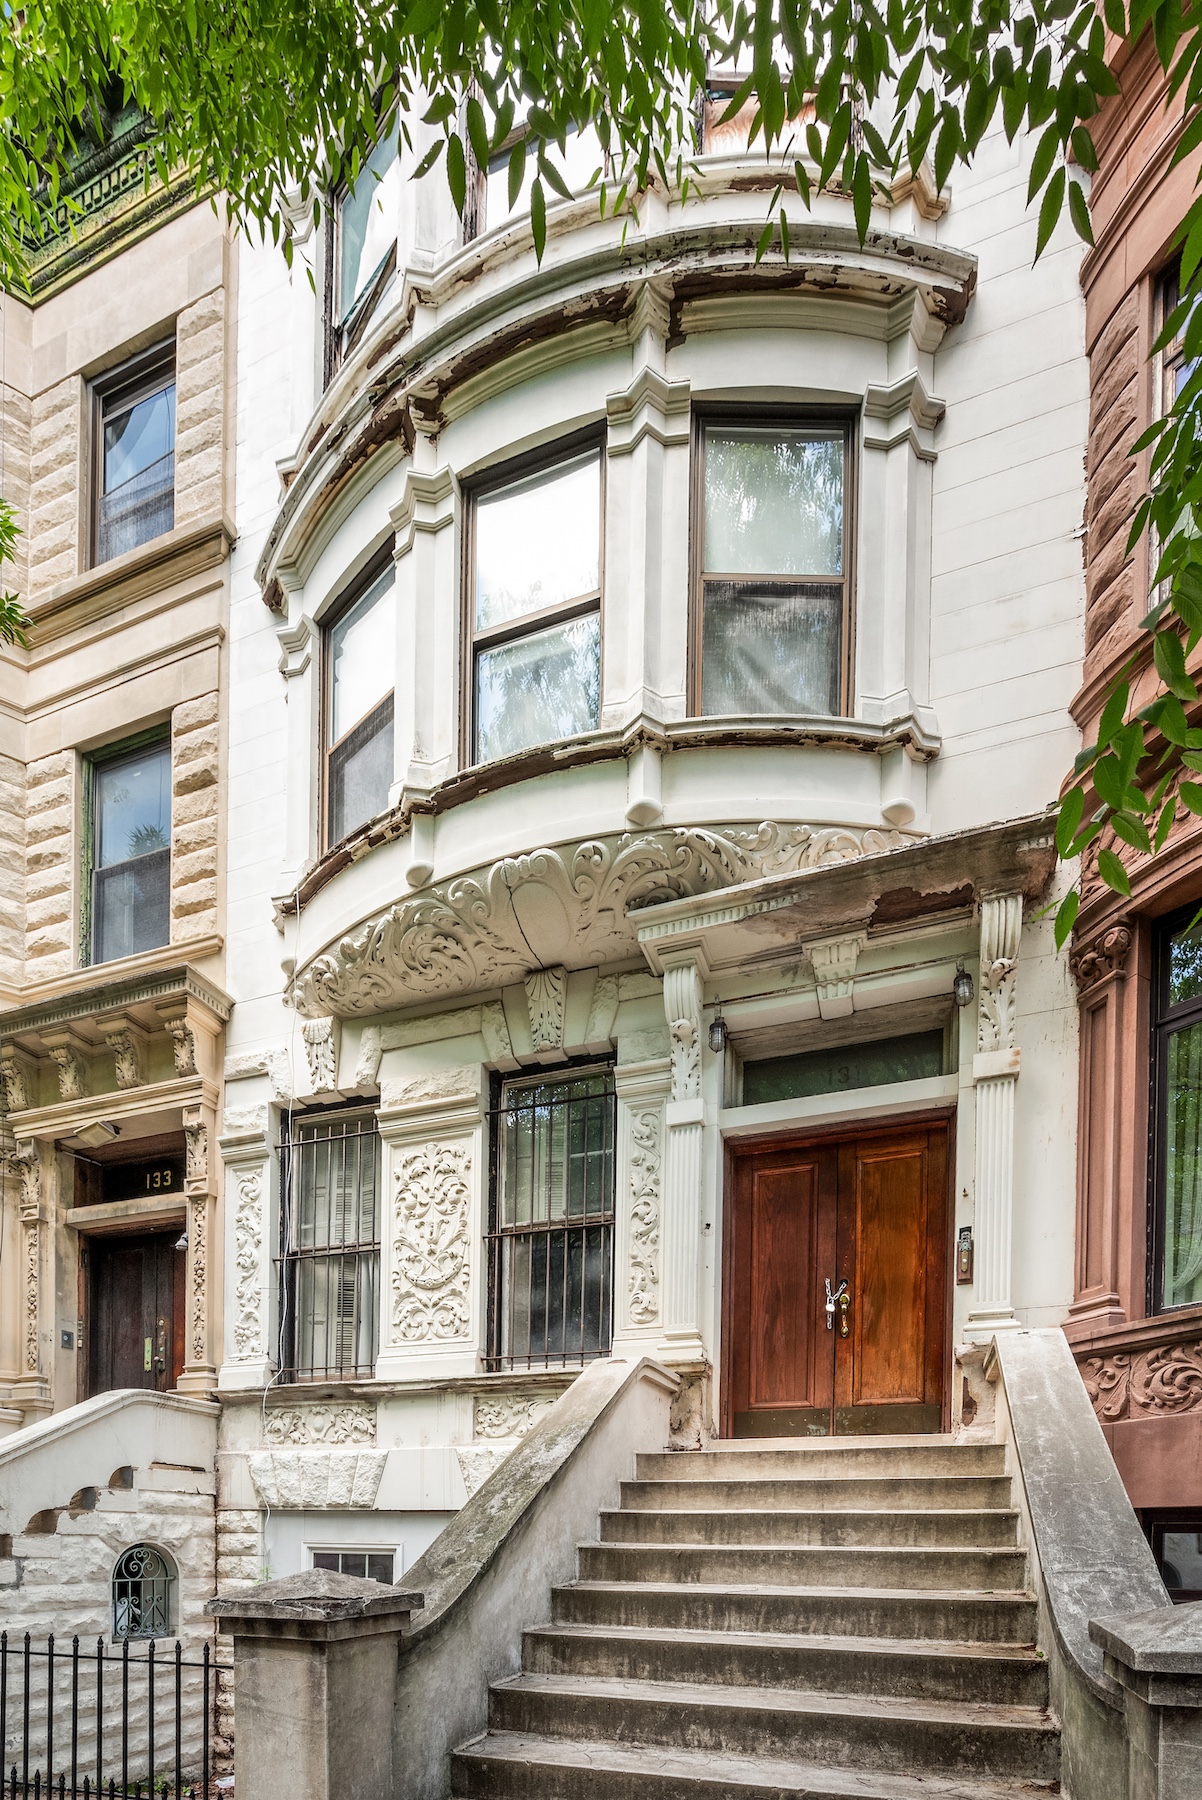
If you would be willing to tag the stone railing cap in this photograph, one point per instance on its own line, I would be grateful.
(1165, 1641)
(316, 1594)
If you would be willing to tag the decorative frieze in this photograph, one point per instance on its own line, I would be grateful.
(1133, 1384)
(248, 1257)
(508, 1415)
(577, 901)
(643, 1282)
(346, 1422)
(431, 1243)
(1100, 957)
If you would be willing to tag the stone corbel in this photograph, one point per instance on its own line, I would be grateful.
(1001, 929)
(546, 997)
(19, 1075)
(834, 963)
(1102, 957)
(901, 414)
(68, 1053)
(296, 647)
(427, 504)
(682, 1006)
(321, 1038)
(127, 1041)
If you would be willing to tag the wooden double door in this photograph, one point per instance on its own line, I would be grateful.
(837, 1285)
(135, 1293)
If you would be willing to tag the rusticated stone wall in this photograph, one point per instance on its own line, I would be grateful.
(195, 770)
(1118, 374)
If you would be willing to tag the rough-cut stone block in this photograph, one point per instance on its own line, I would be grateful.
(198, 775)
(199, 803)
(49, 768)
(193, 897)
(190, 745)
(197, 867)
(190, 714)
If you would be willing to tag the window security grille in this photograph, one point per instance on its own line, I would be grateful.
(551, 1246)
(142, 1584)
(330, 1247)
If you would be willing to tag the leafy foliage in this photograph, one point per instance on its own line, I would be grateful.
(12, 617)
(260, 97)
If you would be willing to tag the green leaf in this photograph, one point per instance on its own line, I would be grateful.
(457, 172)
(1114, 712)
(1132, 831)
(1049, 211)
(477, 131)
(1191, 795)
(1068, 819)
(1078, 208)
(1164, 825)
(1169, 655)
(538, 217)
(517, 171)
(861, 194)
(1113, 873)
(1066, 917)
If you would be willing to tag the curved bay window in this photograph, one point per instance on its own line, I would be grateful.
(772, 623)
(360, 674)
(143, 1593)
(535, 592)
(551, 1259)
(1177, 1116)
(330, 1247)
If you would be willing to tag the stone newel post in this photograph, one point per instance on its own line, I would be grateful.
(315, 1674)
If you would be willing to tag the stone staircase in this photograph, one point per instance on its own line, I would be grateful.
(839, 1619)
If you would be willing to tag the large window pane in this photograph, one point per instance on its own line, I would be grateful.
(331, 1247)
(131, 864)
(362, 656)
(1183, 1169)
(137, 489)
(538, 542)
(535, 689)
(770, 648)
(367, 223)
(773, 501)
(1185, 966)
(361, 773)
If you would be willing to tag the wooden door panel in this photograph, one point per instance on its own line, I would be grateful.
(136, 1295)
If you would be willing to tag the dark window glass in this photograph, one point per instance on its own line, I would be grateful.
(369, 1565)
(1178, 1144)
(553, 1242)
(1176, 1539)
(330, 1255)
(362, 661)
(773, 578)
(143, 1594)
(136, 497)
(913, 1058)
(131, 867)
(537, 608)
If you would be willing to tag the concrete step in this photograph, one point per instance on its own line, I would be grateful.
(925, 1528)
(856, 1493)
(900, 1736)
(999, 1675)
(812, 1565)
(818, 1458)
(951, 1616)
(516, 1766)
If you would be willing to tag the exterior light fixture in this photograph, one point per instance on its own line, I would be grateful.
(962, 988)
(181, 1242)
(718, 1033)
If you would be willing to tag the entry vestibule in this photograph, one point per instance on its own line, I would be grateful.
(836, 1305)
(135, 1298)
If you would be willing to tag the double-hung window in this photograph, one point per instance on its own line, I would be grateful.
(535, 597)
(553, 1210)
(772, 625)
(330, 1247)
(360, 674)
(135, 454)
(128, 881)
(1177, 1113)
(363, 259)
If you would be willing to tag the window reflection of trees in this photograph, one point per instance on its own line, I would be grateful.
(540, 688)
(774, 499)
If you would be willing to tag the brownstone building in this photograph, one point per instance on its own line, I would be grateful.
(1136, 1319)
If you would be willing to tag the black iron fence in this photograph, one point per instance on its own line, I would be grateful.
(108, 1723)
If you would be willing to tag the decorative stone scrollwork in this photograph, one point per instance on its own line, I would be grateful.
(196, 1149)
(72, 1072)
(126, 1047)
(507, 1415)
(546, 992)
(248, 1251)
(431, 1244)
(321, 1052)
(32, 1230)
(348, 1422)
(1101, 957)
(645, 1165)
(682, 1005)
(1135, 1384)
(15, 1075)
(198, 1259)
(26, 1165)
(1001, 929)
(183, 1045)
(572, 903)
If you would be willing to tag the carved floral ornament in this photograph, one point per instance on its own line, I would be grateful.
(431, 1244)
(1135, 1384)
(573, 903)
(1100, 957)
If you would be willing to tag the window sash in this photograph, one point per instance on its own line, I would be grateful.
(141, 508)
(126, 904)
(374, 727)
(1175, 1277)
(330, 1247)
(831, 592)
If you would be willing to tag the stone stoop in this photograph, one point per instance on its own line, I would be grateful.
(846, 1619)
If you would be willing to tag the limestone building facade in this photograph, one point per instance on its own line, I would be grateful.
(650, 671)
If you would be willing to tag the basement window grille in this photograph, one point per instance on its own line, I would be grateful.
(143, 1589)
(551, 1244)
(330, 1247)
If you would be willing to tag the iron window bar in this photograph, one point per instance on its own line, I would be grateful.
(329, 1260)
(551, 1219)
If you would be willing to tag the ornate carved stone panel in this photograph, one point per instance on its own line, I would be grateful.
(321, 1052)
(546, 992)
(682, 1005)
(1001, 929)
(347, 1422)
(248, 1256)
(431, 1261)
(126, 1043)
(508, 1415)
(1133, 1384)
(646, 1160)
(318, 1478)
(198, 1267)
(1100, 957)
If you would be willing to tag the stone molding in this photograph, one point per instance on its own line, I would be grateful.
(1135, 1384)
(834, 963)
(300, 1479)
(578, 902)
(343, 1422)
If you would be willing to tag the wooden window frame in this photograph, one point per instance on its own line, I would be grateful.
(798, 419)
(350, 597)
(155, 735)
(137, 378)
(1164, 1020)
(532, 462)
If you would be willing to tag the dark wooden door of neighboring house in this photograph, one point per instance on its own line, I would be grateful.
(871, 1211)
(136, 1311)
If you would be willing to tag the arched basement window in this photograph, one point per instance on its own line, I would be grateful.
(143, 1593)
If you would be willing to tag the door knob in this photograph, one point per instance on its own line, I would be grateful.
(844, 1302)
(836, 1297)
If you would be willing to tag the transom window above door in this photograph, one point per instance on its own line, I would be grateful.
(772, 628)
(360, 673)
(535, 595)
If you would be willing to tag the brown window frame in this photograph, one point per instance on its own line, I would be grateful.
(137, 378)
(501, 475)
(1164, 1021)
(793, 418)
(349, 598)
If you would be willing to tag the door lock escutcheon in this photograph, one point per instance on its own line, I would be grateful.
(844, 1303)
(836, 1297)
